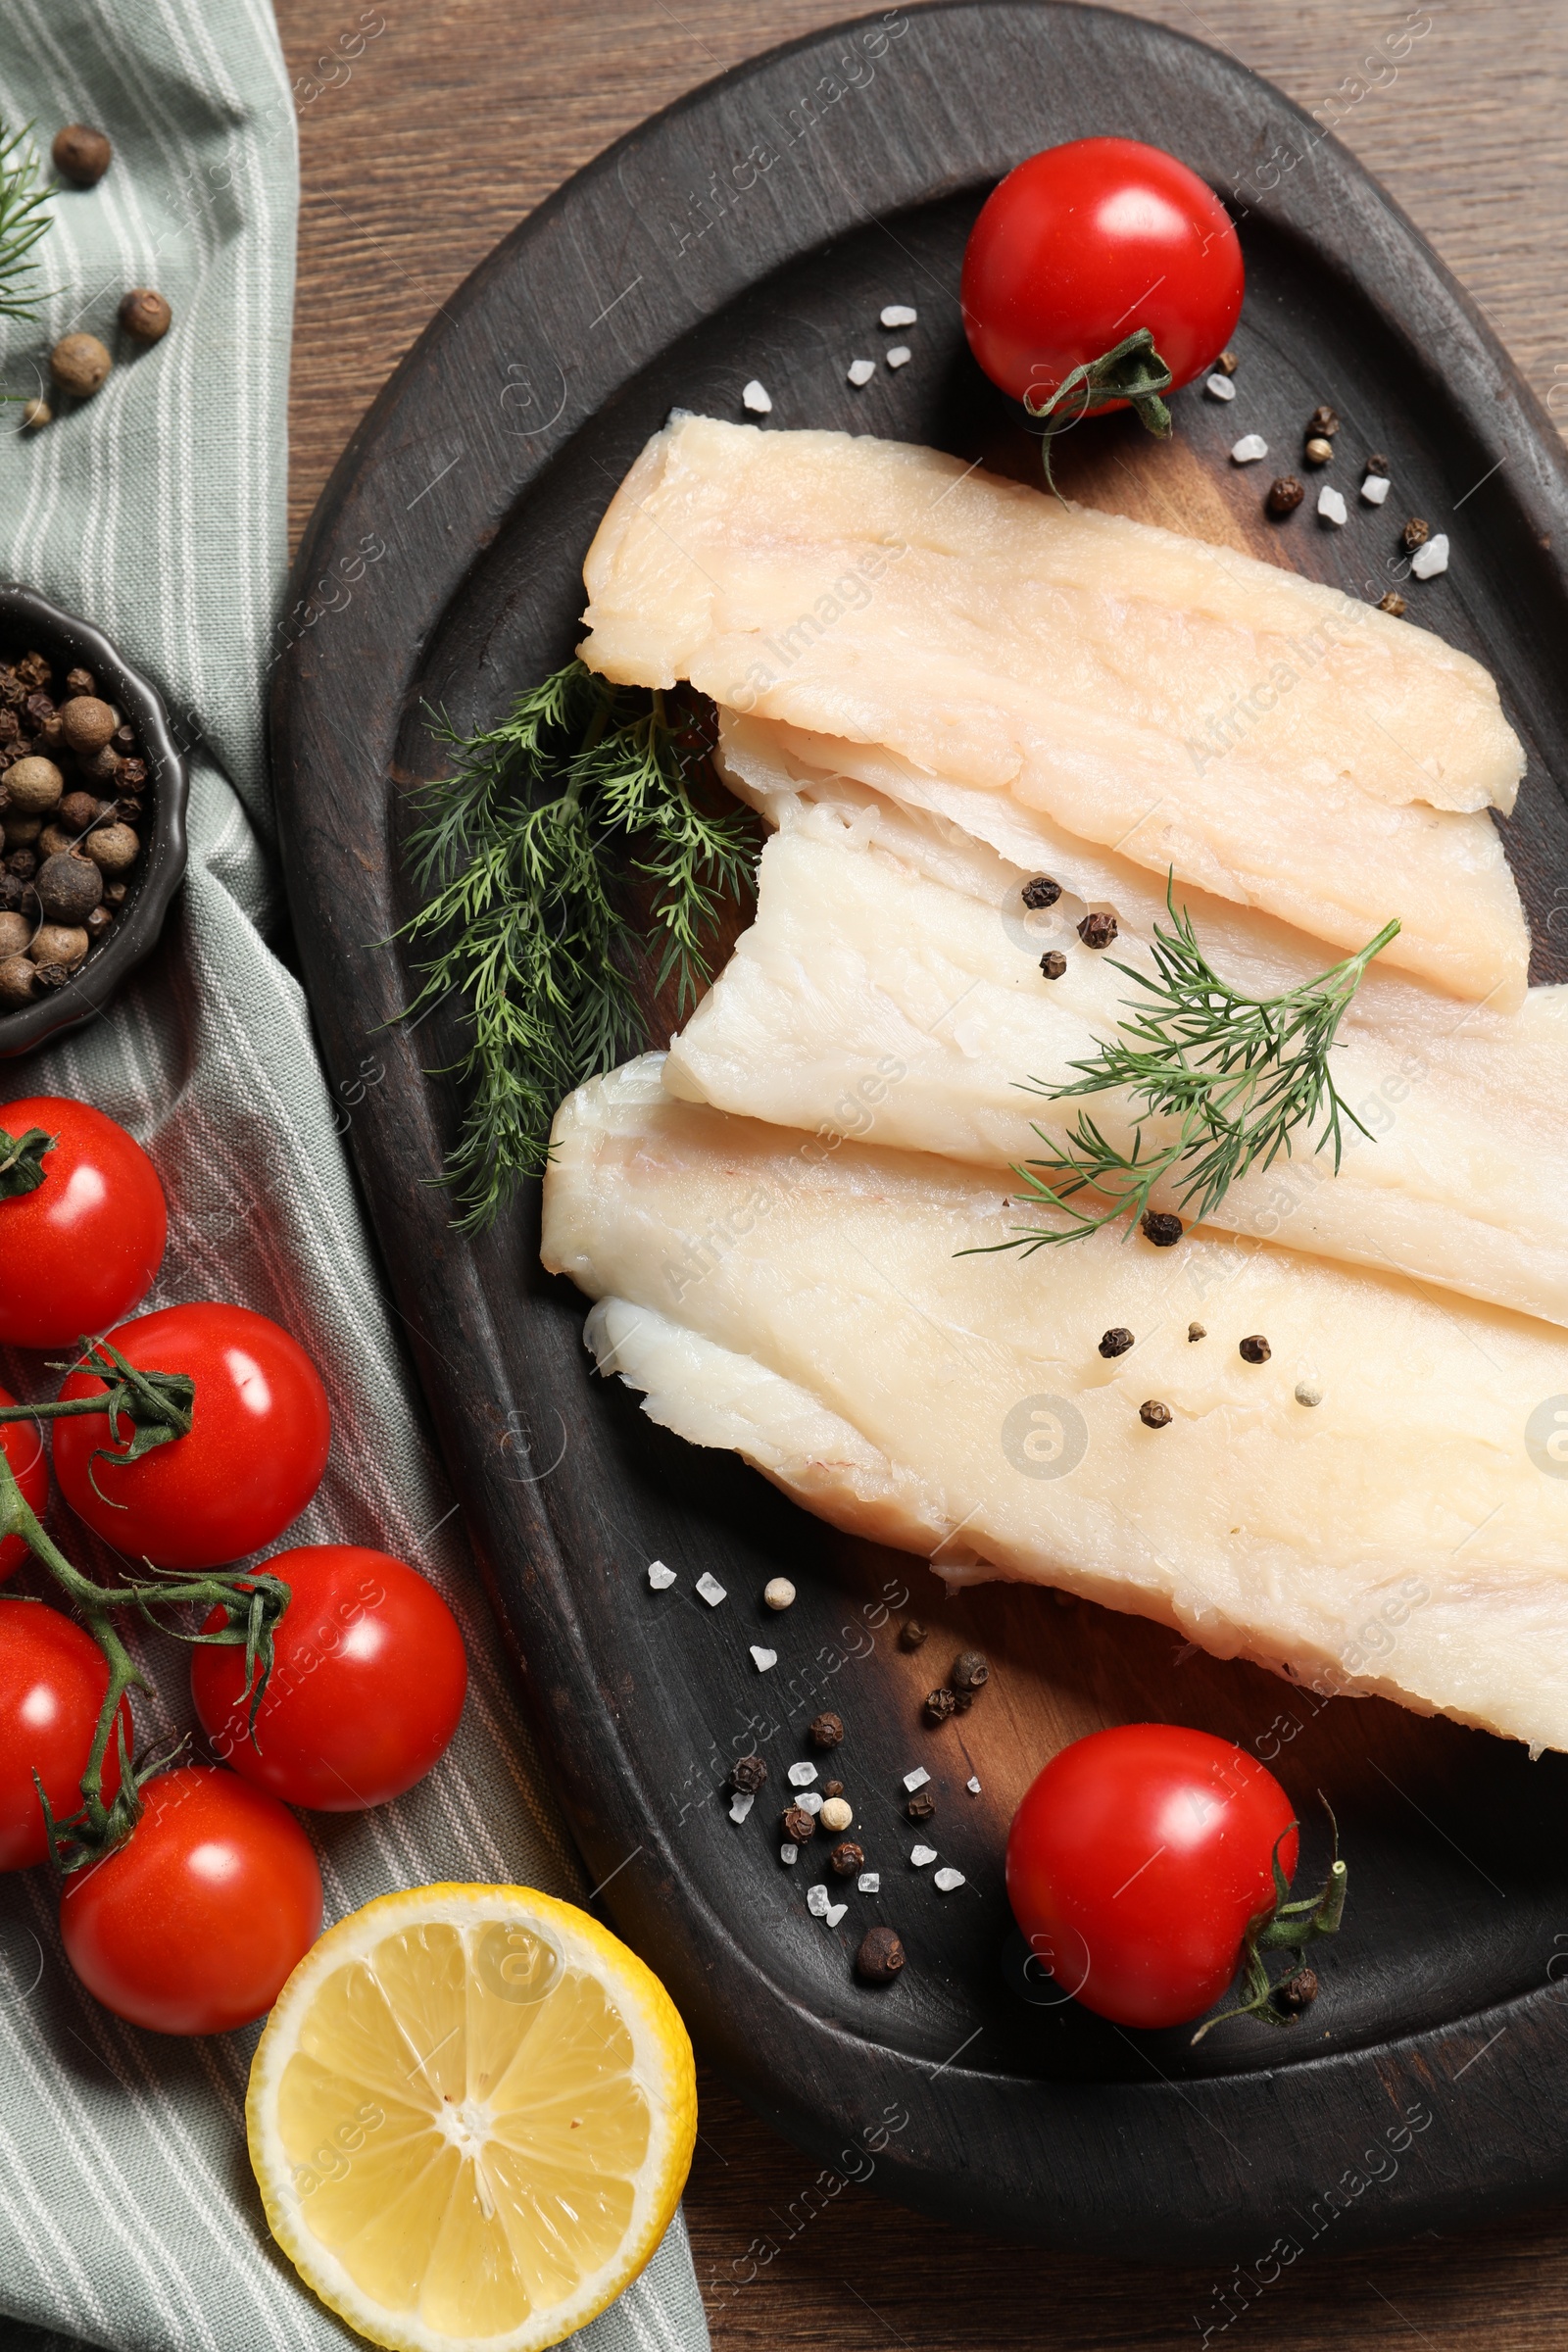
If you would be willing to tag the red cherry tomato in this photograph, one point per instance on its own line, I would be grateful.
(1135, 1863)
(253, 1459)
(1084, 244)
(367, 1681)
(23, 1442)
(195, 1923)
(81, 1249)
(52, 1682)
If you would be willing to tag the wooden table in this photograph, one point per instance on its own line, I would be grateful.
(418, 154)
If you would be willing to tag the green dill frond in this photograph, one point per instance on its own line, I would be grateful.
(24, 220)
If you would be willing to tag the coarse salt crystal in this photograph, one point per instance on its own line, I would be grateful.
(1429, 561)
(946, 1881)
(833, 1914)
(809, 1802)
(900, 356)
(916, 1778)
(788, 1855)
(1375, 489)
(1331, 505)
(869, 1882)
(659, 1577)
(740, 1805)
(920, 1856)
(861, 372)
(973, 1785)
(817, 1900)
(712, 1591)
(899, 314)
(762, 1658)
(758, 399)
(1220, 387)
(1249, 449)
(802, 1775)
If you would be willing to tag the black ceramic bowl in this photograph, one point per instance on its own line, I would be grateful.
(29, 620)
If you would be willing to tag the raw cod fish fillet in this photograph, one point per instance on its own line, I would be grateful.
(889, 990)
(807, 1309)
(1277, 743)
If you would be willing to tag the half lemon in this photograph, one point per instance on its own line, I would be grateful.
(471, 2116)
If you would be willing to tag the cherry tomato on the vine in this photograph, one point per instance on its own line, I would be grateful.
(23, 1446)
(367, 1681)
(1084, 244)
(79, 1250)
(253, 1457)
(195, 1923)
(1136, 1861)
(53, 1678)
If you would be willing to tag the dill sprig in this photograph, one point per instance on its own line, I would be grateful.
(1240, 1074)
(529, 846)
(22, 221)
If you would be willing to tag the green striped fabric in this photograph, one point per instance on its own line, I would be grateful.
(127, 2213)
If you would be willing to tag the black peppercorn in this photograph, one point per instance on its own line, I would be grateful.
(1160, 1228)
(846, 1857)
(940, 1704)
(22, 863)
(1284, 494)
(1226, 362)
(1098, 930)
(37, 710)
(12, 891)
(133, 776)
(1154, 1414)
(825, 1731)
(911, 1633)
(80, 681)
(921, 1805)
(797, 1825)
(1415, 534)
(1040, 892)
(1296, 1994)
(1392, 603)
(1116, 1340)
(970, 1671)
(832, 1787)
(1377, 462)
(1053, 963)
(880, 1956)
(34, 671)
(1254, 1350)
(746, 1775)
(1323, 422)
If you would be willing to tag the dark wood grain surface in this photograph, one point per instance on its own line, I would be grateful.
(447, 126)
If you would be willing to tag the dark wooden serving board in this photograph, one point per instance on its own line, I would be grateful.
(1428, 2083)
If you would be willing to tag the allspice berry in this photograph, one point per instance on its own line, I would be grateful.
(18, 979)
(87, 723)
(880, 1956)
(78, 365)
(970, 1671)
(69, 888)
(35, 415)
(82, 154)
(63, 944)
(77, 811)
(33, 786)
(15, 933)
(145, 315)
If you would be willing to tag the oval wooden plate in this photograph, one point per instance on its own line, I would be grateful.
(757, 229)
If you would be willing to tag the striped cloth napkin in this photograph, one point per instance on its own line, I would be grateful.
(127, 2212)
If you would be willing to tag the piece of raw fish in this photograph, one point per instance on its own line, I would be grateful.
(890, 989)
(1278, 743)
(810, 1307)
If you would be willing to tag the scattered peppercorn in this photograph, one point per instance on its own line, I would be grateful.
(746, 1775)
(1116, 1340)
(1284, 494)
(1318, 452)
(1323, 421)
(1254, 1348)
(847, 1858)
(940, 1704)
(1098, 930)
(1415, 534)
(832, 1787)
(1392, 603)
(1297, 1992)
(1377, 462)
(1161, 1228)
(825, 1731)
(1196, 1330)
(1154, 1414)
(921, 1805)
(880, 1956)
(1226, 362)
(836, 1814)
(911, 1633)
(78, 365)
(1053, 963)
(970, 1670)
(35, 415)
(797, 1825)
(145, 315)
(1040, 892)
(82, 154)
(1308, 1393)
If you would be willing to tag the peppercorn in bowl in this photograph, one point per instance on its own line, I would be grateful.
(92, 819)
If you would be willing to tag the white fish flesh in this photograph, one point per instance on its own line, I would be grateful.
(1279, 744)
(808, 1309)
(890, 989)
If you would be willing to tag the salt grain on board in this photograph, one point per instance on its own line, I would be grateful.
(1220, 387)
(758, 399)
(869, 1882)
(763, 1659)
(1330, 506)
(788, 1854)
(1429, 561)
(1249, 449)
(861, 372)
(946, 1881)
(802, 1775)
(659, 1577)
(900, 356)
(712, 1591)
(1375, 489)
(810, 1801)
(817, 1900)
(740, 1805)
(899, 314)
(973, 1785)
(833, 1914)
(916, 1778)
(920, 1856)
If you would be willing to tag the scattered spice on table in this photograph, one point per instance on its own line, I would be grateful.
(144, 314)
(1116, 1340)
(1318, 452)
(1284, 494)
(1254, 1348)
(82, 154)
(79, 365)
(1308, 1393)
(940, 1704)
(911, 1633)
(1161, 1228)
(778, 1593)
(746, 1775)
(797, 1825)
(847, 1858)
(1154, 1414)
(826, 1730)
(1052, 963)
(921, 1805)
(836, 1814)
(1297, 1992)
(970, 1671)
(1323, 423)
(1040, 892)
(1392, 603)
(880, 1956)
(1098, 930)
(832, 1788)
(1196, 1330)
